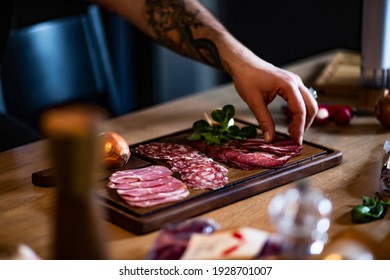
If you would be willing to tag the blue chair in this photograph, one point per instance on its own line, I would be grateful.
(57, 62)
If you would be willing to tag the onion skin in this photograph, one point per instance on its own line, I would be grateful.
(382, 109)
(116, 151)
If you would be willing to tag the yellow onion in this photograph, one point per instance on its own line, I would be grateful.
(116, 151)
(382, 109)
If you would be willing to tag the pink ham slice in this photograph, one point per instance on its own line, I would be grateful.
(149, 173)
(142, 189)
(148, 186)
(140, 184)
(163, 200)
(156, 195)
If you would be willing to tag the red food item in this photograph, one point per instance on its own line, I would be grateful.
(143, 188)
(149, 173)
(157, 201)
(196, 170)
(148, 186)
(174, 237)
(168, 151)
(252, 153)
(322, 116)
(254, 160)
(342, 117)
(208, 176)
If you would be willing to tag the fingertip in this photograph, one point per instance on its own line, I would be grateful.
(300, 140)
(267, 137)
(296, 137)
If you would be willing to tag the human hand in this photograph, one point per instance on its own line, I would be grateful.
(258, 83)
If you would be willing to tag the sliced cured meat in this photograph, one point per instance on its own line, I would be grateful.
(196, 169)
(164, 150)
(154, 202)
(208, 175)
(149, 173)
(141, 184)
(144, 189)
(182, 163)
(279, 146)
(155, 195)
(148, 186)
(256, 159)
(252, 153)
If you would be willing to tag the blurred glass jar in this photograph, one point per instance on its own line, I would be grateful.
(17, 252)
(301, 216)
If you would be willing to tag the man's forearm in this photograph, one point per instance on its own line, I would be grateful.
(184, 26)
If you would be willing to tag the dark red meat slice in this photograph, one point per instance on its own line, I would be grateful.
(252, 153)
(279, 146)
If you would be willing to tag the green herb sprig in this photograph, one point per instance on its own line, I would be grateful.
(371, 209)
(221, 129)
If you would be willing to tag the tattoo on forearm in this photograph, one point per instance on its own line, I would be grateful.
(174, 26)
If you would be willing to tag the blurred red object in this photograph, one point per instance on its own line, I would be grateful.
(340, 114)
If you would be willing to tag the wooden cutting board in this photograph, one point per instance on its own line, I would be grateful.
(242, 184)
(340, 82)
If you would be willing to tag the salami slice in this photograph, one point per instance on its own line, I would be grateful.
(197, 170)
(168, 151)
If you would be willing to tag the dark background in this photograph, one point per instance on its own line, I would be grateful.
(278, 31)
(284, 31)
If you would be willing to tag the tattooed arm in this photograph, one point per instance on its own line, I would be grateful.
(190, 29)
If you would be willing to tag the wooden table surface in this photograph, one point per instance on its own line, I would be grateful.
(26, 211)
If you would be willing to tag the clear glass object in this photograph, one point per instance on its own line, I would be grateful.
(301, 216)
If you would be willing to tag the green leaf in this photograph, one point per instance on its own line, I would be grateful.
(201, 126)
(371, 209)
(248, 132)
(220, 131)
(223, 116)
(229, 112)
(368, 201)
(234, 130)
(194, 136)
(218, 116)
